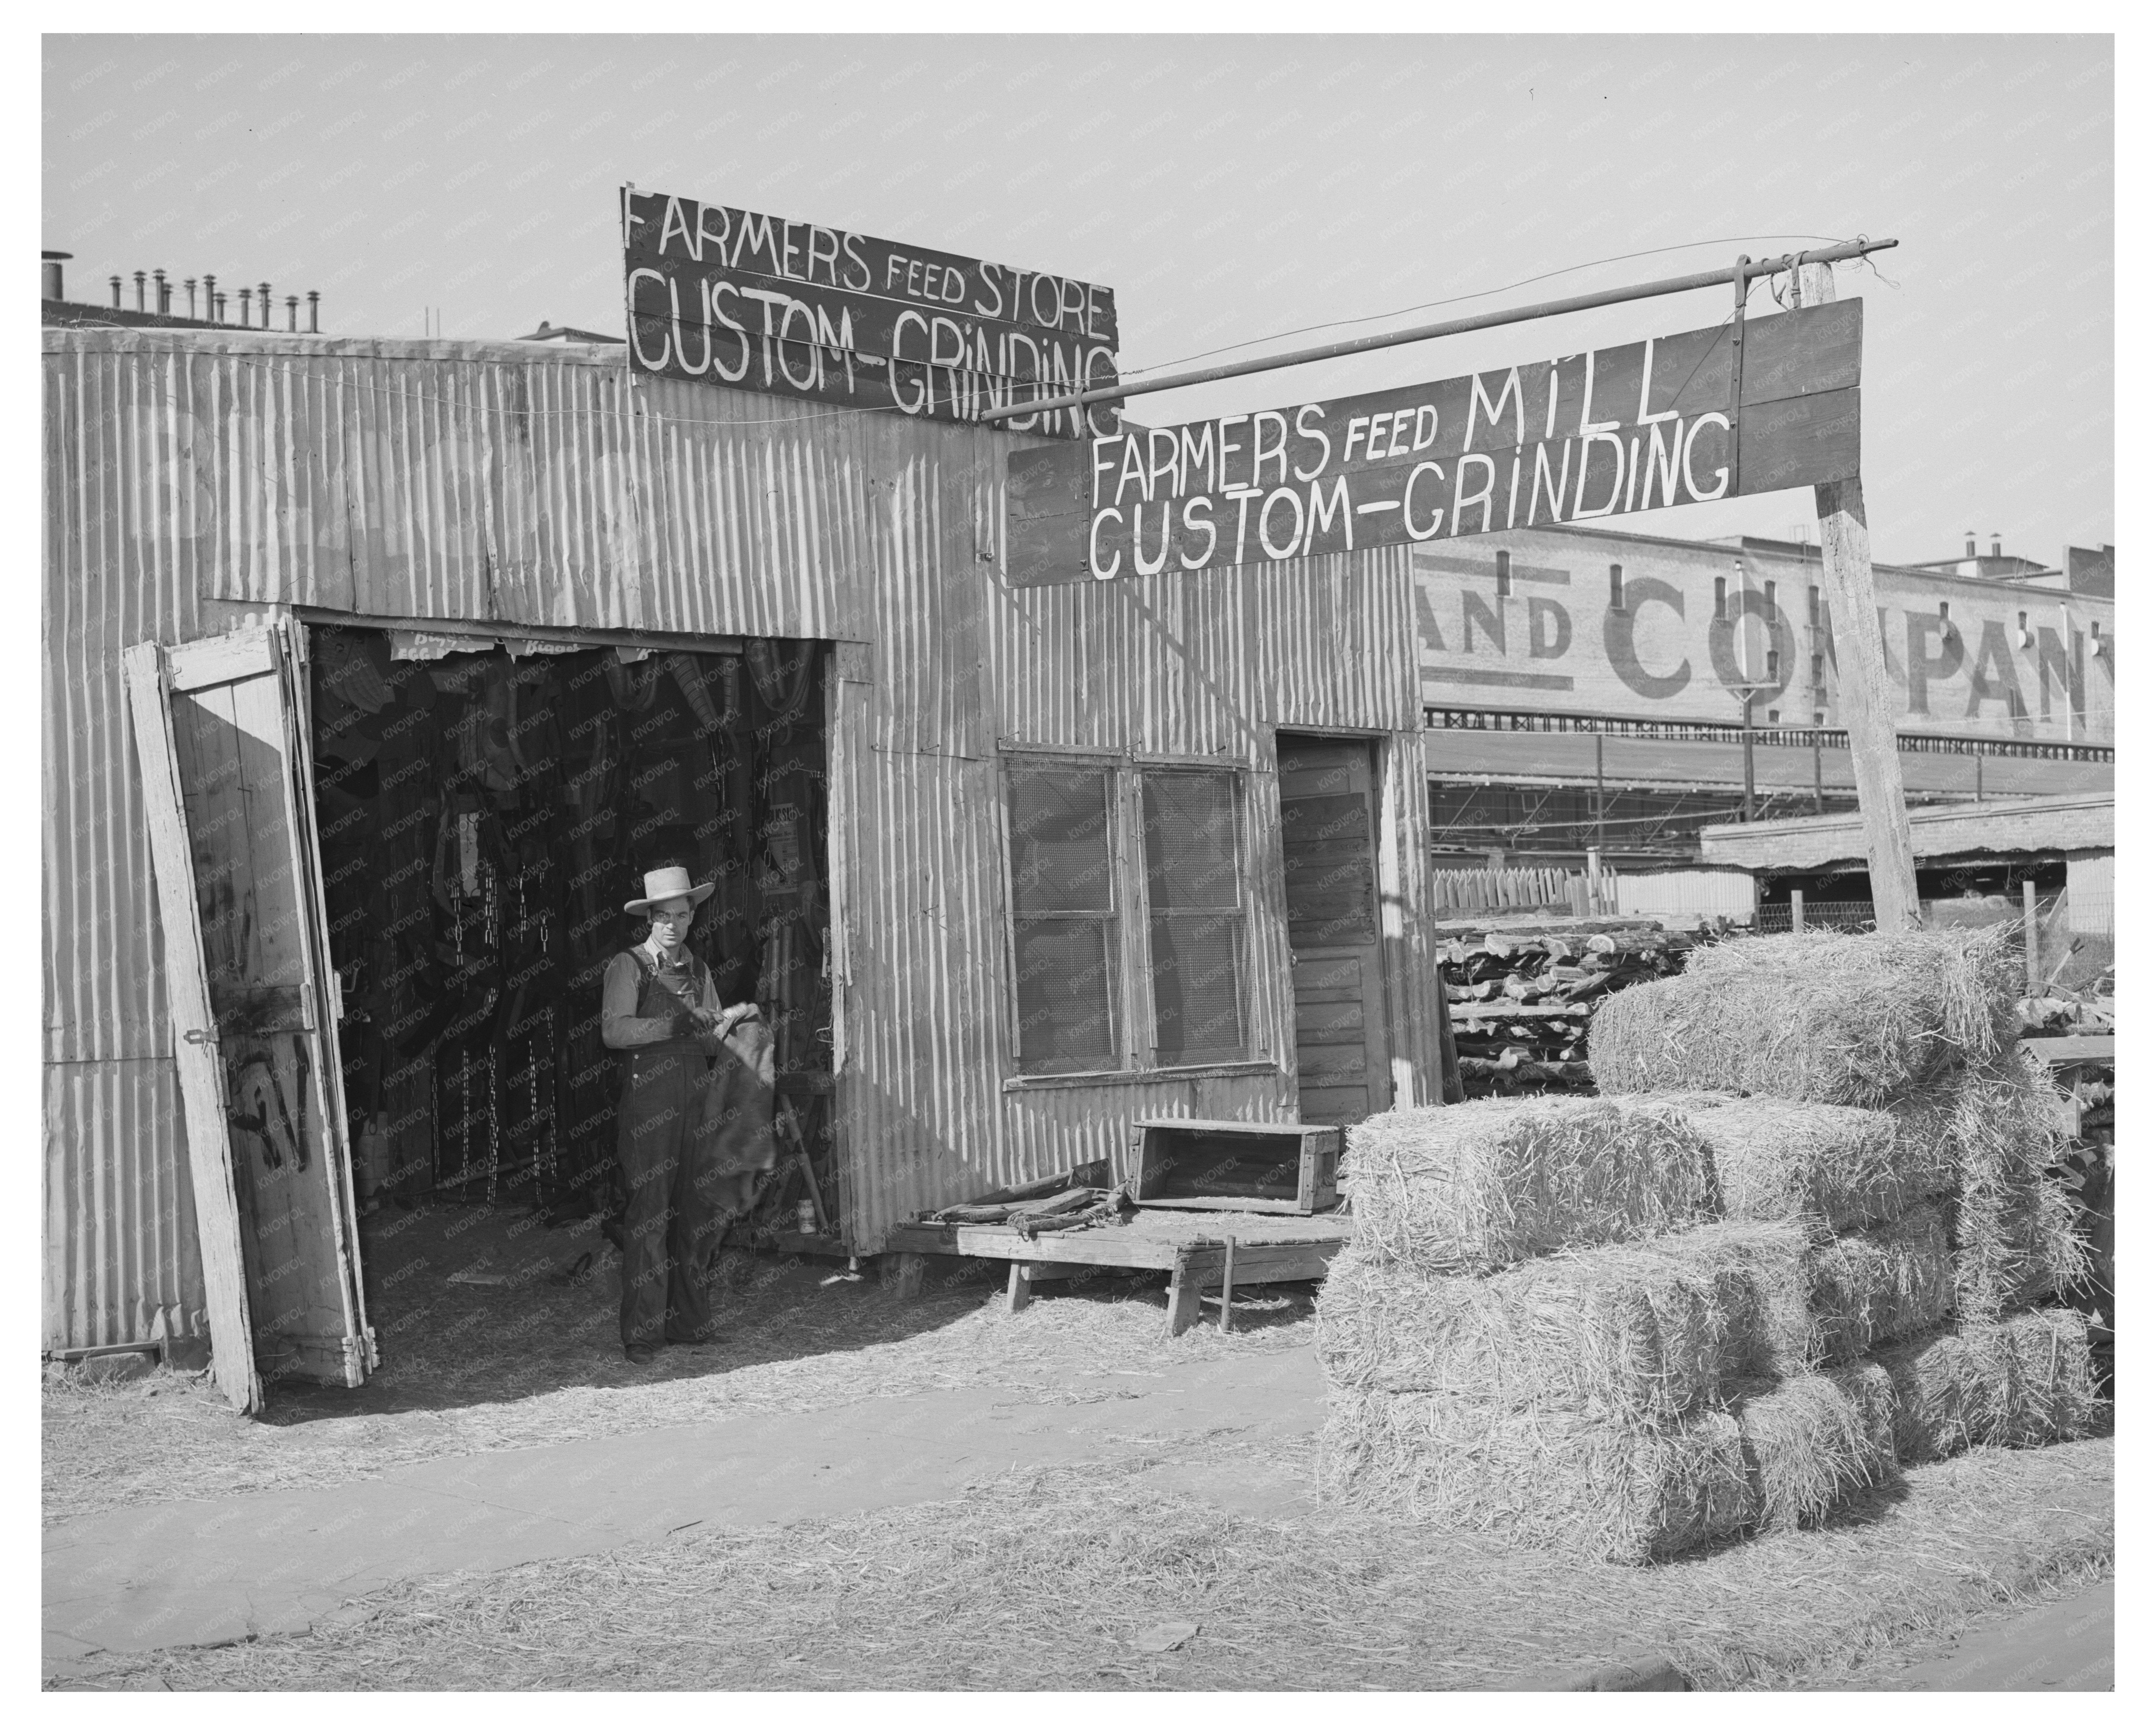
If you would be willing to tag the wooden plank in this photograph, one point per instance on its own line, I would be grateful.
(222, 659)
(1183, 1306)
(1866, 688)
(2064, 1050)
(194, 1049)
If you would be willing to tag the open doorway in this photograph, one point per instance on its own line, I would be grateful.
(483, 814)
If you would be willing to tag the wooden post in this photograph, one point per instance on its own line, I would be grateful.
(1796, 909)
(2031, 956)
(1867, 693)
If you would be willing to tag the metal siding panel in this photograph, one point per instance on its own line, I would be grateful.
(463, 480)
(121, 1264)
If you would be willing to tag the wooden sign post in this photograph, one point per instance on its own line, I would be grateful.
(1860, 659)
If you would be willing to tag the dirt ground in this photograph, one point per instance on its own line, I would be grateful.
(468, 1367)
(1055, 1579)
(1049, 1578)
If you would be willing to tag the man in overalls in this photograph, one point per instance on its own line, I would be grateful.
(660, 1008)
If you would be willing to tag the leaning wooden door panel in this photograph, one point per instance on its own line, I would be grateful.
(219, 1236)
(1328, 865)
(242, 779)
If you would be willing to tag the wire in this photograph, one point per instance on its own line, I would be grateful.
(1482, 294)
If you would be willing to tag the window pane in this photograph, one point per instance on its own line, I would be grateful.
(1194, 888)
(1061, 859)
(1197, 987)
(1066, 995)
(1190, 841)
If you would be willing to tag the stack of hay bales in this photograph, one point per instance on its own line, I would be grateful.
(1795, 1243)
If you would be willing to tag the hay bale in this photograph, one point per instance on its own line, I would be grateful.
(1630, 1333)
(2013, 1252)
(1475, 1186)
(2014, 1384)
(1870, 1288)
(1845, 1166)
(1624, 1492)
(2013, 1225)
(1814, 1439)
(1858, 1019)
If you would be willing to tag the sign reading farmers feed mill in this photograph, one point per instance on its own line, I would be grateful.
(1645, 425)
(723, 296)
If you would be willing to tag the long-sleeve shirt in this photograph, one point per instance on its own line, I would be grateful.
(619, 1027)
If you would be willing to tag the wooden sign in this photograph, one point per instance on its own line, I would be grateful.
(723, 296)
(1675, 419)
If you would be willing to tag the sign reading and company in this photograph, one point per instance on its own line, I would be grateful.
(1647, 425)
(722, 296)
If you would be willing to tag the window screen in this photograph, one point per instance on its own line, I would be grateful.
(1194, 902)
(1064, 916)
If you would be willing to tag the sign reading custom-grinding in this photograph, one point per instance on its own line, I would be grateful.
(722, 296)
(1646, 425)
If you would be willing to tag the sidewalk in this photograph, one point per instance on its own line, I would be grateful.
(2067, 1645)
(196, 1573)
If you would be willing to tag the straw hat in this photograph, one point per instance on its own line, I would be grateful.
(660, 884)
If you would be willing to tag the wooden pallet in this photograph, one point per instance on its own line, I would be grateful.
(1199, 1249)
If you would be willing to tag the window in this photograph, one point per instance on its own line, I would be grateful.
(1087, 909)
(1065, 922)
(1819, 671)
(1768, 588)
(1720, 597)
(1942, 612)
(1774, 664)
(1814, 601)
(1504, 574)
(1193, 873)
(1616, 587)
(1774, 715)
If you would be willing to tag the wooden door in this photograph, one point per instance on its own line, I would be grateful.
(239, 881)
(1329, 862)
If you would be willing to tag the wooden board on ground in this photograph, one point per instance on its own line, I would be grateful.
(1192, 1247)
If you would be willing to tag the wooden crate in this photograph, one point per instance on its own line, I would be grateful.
(1235, 1165)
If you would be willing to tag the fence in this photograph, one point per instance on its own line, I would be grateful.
(1561, 890)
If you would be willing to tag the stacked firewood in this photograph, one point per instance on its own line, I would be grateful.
(1520, 996)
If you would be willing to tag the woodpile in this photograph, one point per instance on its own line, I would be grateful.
(1521, 995)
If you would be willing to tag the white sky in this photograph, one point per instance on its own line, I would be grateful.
(1225, 188)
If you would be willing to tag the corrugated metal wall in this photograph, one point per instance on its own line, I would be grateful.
(192, 474)
(1690, 892)
(2089, 888)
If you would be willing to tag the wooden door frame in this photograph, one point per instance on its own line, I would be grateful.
(1389, 885)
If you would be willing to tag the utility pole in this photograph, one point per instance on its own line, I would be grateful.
(1866, 690)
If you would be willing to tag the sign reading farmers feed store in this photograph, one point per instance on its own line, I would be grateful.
(1610, 431)
(723, 296)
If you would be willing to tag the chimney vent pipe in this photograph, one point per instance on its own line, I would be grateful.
(115, 293)
(246, 309)
(139, 278)
(1995, 550)
(164, 295)
(314, 308)
(269, 309)
(1968, 546)
(53, 286)
(211, 305)
(191, 301)
(292, 313)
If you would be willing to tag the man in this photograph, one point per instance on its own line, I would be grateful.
(660, 1008)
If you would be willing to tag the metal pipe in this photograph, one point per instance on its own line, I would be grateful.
(211, 306)
(164, 294)
(292, 313)
(314, 307)
(1746, 694)
(116, 306)
(139, 278)
(191, 299)
(246, 309)
(1452, 326)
